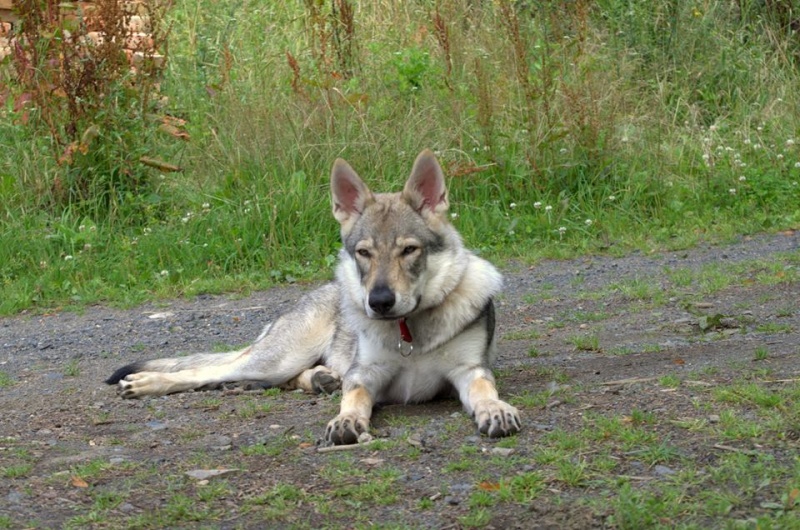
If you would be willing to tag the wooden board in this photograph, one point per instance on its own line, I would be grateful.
(6, 15)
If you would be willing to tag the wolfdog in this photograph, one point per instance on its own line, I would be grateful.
(409, 317)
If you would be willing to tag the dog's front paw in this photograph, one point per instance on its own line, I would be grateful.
(496, 418)
(345, 429)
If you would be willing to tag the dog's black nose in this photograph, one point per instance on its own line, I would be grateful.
(381, 299)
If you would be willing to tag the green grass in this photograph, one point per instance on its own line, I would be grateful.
(589, 342)
(641, 468)
(16, 470)
(554, 149)
(522, 335)
(5, 380)
(72, 368)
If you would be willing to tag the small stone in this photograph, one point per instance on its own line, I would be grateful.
(15, 497)
(502, 451)
(364, 437)
(205, 474)
(663, 471)
(552, 387)
(161, 316)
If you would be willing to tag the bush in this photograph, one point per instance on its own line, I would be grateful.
(86, 89)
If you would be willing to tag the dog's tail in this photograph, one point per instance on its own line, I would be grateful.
(175, 364)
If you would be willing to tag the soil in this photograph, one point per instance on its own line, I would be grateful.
(58, 417)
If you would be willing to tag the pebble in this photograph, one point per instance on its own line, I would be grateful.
(15, 497)
(663, 471)
(205, 474)
(502, 451)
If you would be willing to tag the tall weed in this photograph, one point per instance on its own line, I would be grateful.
(564, 128)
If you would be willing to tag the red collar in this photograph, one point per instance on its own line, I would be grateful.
(405, 333)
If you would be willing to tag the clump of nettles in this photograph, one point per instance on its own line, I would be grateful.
(85, 85)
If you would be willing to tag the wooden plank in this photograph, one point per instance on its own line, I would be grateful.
(6, 15)
(6, 4)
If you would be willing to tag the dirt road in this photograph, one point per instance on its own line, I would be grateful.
(641, 345)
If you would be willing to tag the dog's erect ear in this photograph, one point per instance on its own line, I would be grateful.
(425, 189)
(349, 193)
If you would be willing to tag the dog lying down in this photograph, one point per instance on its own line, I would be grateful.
(409, 316)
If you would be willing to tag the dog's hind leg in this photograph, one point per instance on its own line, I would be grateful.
(294, 343)
(145, 379)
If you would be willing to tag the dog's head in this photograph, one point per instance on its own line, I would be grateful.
(400, 253)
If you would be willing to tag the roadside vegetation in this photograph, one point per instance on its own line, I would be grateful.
(565, 128)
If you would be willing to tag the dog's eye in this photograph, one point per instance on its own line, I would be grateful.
(364, 253)
(410, 249)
